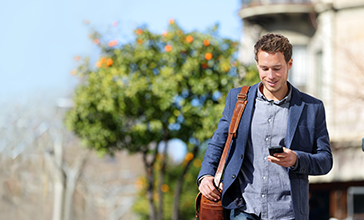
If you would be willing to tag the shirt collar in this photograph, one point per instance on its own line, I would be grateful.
(279, 102)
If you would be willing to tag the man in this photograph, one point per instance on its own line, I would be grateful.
(255, 184)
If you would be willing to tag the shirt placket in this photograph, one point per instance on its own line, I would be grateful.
(265, 177)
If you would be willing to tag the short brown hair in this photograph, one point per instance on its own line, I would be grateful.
(272, 43)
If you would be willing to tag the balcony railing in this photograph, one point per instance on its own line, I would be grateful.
(250, 3)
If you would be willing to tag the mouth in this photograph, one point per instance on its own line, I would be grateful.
(272, 84)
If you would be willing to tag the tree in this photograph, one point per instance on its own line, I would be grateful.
(153, 89)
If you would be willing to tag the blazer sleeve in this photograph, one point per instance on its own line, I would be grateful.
(216, 144)
(319, 160)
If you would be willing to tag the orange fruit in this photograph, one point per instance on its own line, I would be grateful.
(206, 42)
(189, 38)
(189, 156)
(139, 31)
(77, 58)
(140, 41)
(164, 188)
(204, 65)
(168, 48)
(208, 56)
(171, 21)
(109, 62)
(99, 64)
(112, 43)
(165, 33)
(96, 41)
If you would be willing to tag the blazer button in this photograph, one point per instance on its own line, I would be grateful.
(303, 170)
(241, 156)
(233, 176)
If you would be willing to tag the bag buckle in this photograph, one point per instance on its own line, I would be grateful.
(241, 97)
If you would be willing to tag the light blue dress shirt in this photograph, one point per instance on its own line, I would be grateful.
(265, 186)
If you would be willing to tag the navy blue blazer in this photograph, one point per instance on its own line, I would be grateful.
(306, 135)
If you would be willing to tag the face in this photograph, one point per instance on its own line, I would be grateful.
(273, 73)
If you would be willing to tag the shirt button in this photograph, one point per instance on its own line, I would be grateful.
(264, 177)
(263, 196)
(269, 120)
(233, 176)
(267, 139)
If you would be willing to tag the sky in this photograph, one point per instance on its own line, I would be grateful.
(39, 39)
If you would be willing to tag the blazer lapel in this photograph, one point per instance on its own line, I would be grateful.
(294, 115)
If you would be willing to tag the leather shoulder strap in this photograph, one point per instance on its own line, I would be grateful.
(238, 112)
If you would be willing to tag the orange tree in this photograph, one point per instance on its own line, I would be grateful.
(155, 88)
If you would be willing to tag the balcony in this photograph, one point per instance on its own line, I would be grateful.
(291, 15)
(250, 3)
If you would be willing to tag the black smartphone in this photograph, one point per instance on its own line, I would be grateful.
(275, 149)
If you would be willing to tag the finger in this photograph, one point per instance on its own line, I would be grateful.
(221, 185)
(214, 193)
(281, 155)
(208, 189)
(211, 196)
(273, 159)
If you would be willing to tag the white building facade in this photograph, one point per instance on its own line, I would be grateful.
(328, 63)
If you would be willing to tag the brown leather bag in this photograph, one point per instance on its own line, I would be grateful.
(207, 209)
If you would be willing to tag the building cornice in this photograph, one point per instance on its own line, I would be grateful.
(275, 9)
(339, 6)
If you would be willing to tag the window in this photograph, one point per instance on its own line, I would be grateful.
(356, 202)
(319, 74)
(299, 68)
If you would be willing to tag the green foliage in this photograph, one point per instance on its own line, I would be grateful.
(251, 75)
(172, 84)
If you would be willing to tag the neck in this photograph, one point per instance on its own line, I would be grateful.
(276, 96)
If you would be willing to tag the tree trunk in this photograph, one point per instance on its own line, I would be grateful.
(150, 179)
(64, 180)
(178, 190)
(161, 180)
(55, 164)
(72, 175)
(58, 200)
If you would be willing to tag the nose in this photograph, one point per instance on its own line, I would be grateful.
(270, 74)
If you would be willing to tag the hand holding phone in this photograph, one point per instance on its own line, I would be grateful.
(275, 149)
(288, 158)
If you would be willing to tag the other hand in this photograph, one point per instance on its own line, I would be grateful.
(208, 189)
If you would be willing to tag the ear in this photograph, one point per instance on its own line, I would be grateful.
(290, 64)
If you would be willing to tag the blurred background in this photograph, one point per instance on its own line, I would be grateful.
(68, 152)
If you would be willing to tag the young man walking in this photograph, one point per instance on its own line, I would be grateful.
(257, 185)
